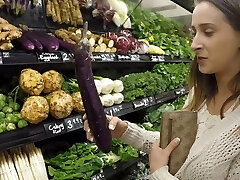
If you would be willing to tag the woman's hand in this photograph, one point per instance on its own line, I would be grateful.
(159, 157)
(116, 126)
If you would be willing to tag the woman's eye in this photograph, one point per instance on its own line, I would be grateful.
(208, 33)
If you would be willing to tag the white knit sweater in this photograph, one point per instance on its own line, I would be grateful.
(214, 155)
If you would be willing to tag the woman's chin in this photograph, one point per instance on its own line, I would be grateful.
(205, 70)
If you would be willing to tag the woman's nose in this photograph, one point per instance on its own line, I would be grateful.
(196, 43)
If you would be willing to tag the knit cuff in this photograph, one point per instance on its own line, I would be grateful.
(133, 135)
(162, 174)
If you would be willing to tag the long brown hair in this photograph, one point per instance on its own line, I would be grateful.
(205, 85)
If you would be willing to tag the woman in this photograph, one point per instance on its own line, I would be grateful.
(215, 88)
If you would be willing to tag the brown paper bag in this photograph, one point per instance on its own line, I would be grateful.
(182, 124)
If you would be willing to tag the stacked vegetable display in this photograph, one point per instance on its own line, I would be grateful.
(36, 108)
(82, 160)
(17, 7)
(23, 163)
(164, 77)
(10, 117)
(8, 32)
(162, 32)
(109, 91)
(64, 11)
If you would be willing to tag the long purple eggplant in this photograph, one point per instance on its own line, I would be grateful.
(50, 43)
(66, 46)
(91, 101)
(34, 40)
(25, 43)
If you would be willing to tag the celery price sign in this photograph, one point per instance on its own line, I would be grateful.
(99, 176)
(55, 128)
(73, 123)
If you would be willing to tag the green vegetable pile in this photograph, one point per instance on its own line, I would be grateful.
(83, 160)
(160, 31)
(10, 117)
(174, 75)
(164, 77)
(140, 85)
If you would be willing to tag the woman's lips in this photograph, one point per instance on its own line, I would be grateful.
(201, 59)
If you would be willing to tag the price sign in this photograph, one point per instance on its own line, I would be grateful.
(141, 103)
(49, 57)
(99, 176)
(151, 100)
(104, 57)
(6, 54)
(112, 111)
(18, 58)
(135, 57)
(157, 58)
(55, 128)
(1, 61)
(181, 91)
(66, 57)
(124, 57)
(73, 123)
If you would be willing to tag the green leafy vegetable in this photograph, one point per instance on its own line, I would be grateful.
(160, 31)
(140, 85)
(82, 160)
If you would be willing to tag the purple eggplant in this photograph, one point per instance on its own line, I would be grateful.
(34, 40)
(50, 43)
(25, 43)
(66, 46)
(91, 101)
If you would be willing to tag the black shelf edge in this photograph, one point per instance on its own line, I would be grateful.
(126, 108)
(111, 173)
(55, 127)
(44, 130)
(31, 58)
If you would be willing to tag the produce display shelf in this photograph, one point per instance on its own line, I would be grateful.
(24, 58)
(111, 173)
(126, 108)
(54, 127)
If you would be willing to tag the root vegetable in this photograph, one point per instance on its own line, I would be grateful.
(61, 104)
(35, 109)
(77, 102)
(31, 81)
(52, 81)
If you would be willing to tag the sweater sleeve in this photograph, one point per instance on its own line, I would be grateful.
(162, 174)
(139, 138)
(234, 171)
